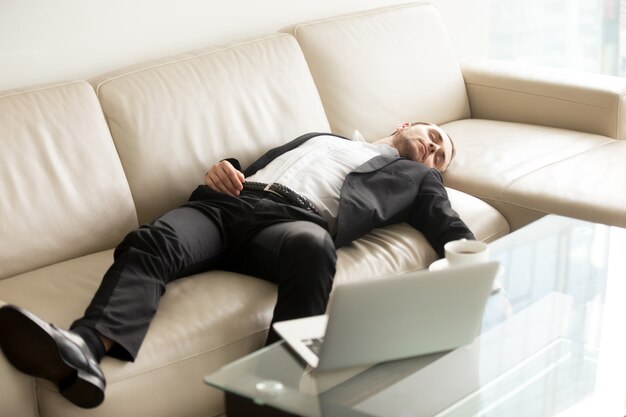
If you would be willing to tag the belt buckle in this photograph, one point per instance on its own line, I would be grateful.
(268, 188)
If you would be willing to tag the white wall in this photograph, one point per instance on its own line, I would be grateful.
(52, 40)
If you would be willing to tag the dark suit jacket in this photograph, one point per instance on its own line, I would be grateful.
(386, 190)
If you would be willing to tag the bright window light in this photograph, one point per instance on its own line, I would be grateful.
(588, 35)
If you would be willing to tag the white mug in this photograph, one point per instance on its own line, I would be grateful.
(465, 252)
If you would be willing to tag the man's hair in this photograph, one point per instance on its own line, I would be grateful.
(453, 153)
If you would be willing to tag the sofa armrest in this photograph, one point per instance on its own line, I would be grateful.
(556, 97)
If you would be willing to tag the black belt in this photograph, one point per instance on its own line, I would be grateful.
(286, 193)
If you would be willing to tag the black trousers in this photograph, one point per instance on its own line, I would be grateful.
(255, 234)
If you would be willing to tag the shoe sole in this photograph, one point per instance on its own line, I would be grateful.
(29, 346)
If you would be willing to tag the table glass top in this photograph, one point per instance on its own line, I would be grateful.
(552, 344)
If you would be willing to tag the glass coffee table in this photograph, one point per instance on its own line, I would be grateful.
(553, 343)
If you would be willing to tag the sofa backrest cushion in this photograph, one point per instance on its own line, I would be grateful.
(379, 68)
(171, 119)
(62, 187)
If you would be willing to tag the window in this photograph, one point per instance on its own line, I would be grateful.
(579, 34)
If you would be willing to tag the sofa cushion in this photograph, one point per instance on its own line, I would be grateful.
(526, 171)
(173, 118)
(399, 248)
(586, 186)
(62, 185)
(484, 221)
(203, 322)
(385, 67)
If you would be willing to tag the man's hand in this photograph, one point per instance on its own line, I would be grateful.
(224, 178)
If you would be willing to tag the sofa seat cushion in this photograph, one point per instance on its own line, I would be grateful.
(399, 248)
(203, 322)
(588, 186)
(496, 160)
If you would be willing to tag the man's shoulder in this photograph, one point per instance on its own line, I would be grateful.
(428, 180)
(416, 167)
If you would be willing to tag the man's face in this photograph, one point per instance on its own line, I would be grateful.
(424, 143)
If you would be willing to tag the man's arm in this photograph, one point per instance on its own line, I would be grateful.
(433, 215)
(225, 177)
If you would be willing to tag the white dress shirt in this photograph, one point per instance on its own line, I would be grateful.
(317, 169)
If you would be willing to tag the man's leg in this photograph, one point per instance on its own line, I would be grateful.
(300, 257)
(181, 242)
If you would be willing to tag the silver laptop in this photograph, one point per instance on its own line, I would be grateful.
(408, 315)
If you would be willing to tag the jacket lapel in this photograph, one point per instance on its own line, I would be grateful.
(274, 153)
(357, 200)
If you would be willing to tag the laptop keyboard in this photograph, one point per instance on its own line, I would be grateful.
(314, 344)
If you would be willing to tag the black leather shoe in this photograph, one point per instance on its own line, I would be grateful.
(45, 351)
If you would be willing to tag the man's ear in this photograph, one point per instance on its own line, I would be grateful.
(402, 126)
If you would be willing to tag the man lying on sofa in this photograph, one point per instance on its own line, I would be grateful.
(345, 188)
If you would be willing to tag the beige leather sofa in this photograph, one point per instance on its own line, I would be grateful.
(82, 163)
